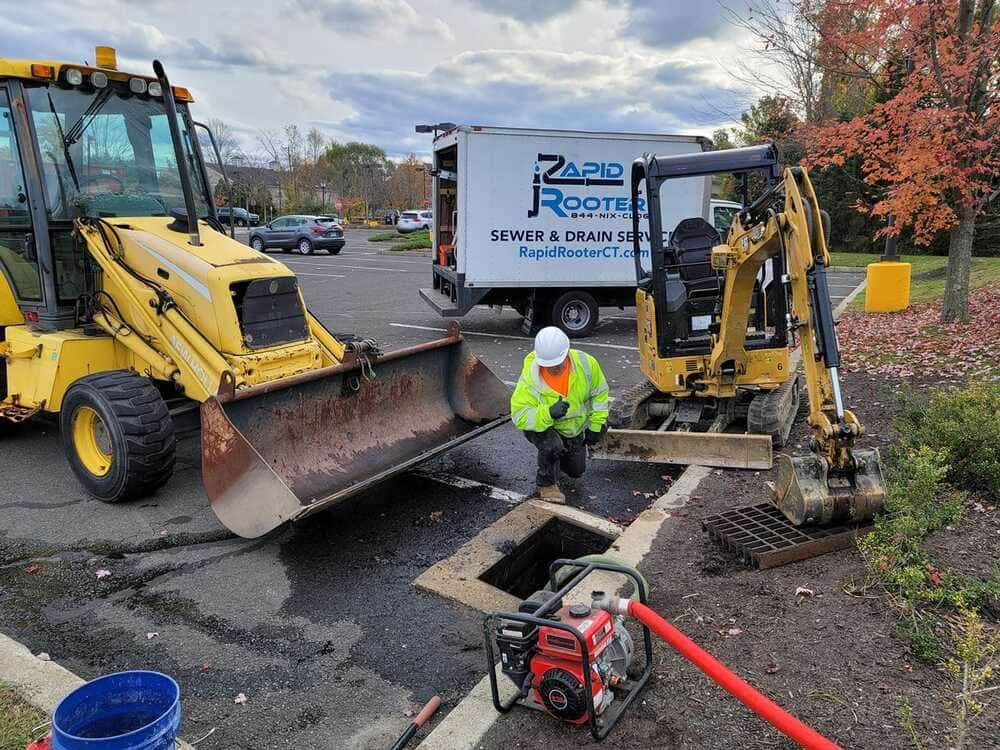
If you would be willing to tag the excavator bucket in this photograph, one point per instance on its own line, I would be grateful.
(808, 492)
(282, 450)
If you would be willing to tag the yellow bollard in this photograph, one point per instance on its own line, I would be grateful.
(888, 288)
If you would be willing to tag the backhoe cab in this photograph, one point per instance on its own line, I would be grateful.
(123, 305)
(717, 320)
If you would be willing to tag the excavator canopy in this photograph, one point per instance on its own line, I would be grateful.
(283, 450)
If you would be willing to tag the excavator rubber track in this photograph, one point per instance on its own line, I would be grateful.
(773, 412)
(629, 411)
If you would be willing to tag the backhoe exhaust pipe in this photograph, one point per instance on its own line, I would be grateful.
(179, 153)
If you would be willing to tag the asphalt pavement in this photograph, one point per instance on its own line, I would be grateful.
(318, 625)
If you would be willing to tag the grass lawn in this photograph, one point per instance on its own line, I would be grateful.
(985, 272)
(415, 241)
(17, 721)
(392, 236)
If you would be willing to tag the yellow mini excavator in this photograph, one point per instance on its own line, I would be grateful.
(716, 323)
(124, 307)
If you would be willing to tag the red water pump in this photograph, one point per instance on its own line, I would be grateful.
(572, 661)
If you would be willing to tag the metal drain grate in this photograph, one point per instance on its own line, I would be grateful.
(764, 538)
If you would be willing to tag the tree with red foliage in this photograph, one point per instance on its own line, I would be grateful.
(931, 141)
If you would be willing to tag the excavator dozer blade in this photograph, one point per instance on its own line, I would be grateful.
(725, 450)
(807, 492)
(282, 450)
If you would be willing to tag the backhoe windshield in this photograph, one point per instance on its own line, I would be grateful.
(107, 153)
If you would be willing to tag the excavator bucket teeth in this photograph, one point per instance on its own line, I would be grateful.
(808, 492)
(283, 450)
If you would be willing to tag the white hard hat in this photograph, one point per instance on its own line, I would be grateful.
(551, 346)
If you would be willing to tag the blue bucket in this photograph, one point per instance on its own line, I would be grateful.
(123, 711)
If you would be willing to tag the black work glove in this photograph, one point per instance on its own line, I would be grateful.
(594, 437)
(558, 409)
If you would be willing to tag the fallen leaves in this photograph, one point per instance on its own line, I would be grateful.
(33, 568)
(914, 341)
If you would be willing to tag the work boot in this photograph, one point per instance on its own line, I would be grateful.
(552, 494)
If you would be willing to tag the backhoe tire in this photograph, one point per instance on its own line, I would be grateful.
(118, 435)
(576, 313)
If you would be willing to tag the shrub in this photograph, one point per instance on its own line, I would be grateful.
(965, 422)
(418, 241)
(386, 237)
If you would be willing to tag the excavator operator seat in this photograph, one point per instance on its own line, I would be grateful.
(690, 249)
(693, 288)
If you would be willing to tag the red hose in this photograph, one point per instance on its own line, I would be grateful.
(763, 706)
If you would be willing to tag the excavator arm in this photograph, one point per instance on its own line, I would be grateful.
(834, 482)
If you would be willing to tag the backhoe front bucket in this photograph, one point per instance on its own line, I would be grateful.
(282, 450)
(808, 492)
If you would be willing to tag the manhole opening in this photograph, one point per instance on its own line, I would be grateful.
(525, 569)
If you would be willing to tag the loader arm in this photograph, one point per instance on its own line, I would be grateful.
(145, 319)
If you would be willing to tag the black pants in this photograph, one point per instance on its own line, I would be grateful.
(555, 452)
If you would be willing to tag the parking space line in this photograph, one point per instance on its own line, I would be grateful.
(580, 344)
(301, 264)
(327, 275)
(495, 493)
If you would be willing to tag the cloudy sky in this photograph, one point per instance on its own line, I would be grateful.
(371, 69)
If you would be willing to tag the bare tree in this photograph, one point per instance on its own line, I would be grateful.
(784, 57)
(225, 139)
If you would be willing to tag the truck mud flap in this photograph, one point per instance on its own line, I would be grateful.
(280, 451)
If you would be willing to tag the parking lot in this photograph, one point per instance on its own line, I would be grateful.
(318, 625)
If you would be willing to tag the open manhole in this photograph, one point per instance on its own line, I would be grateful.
(525, 568)
(509, 560)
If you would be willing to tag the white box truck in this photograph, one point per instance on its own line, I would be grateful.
(541, 221)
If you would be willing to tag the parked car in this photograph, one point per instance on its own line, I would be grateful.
(412, 221)
(241, 217)
(303, 233)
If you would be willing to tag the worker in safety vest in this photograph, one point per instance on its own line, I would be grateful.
(561, 405)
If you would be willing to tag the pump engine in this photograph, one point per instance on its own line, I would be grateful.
(549, 663)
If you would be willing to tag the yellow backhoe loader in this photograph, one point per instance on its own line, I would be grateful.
(716, 324)
(123, 304)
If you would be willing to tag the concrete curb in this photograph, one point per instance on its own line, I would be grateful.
(41, 683)
(467, 723)
(405, 253)
(844, 303)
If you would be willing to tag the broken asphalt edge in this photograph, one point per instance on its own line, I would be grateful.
(39, 682)
(467, 723)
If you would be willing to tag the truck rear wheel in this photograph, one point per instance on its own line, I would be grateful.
(576, 312)
(118, 435)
